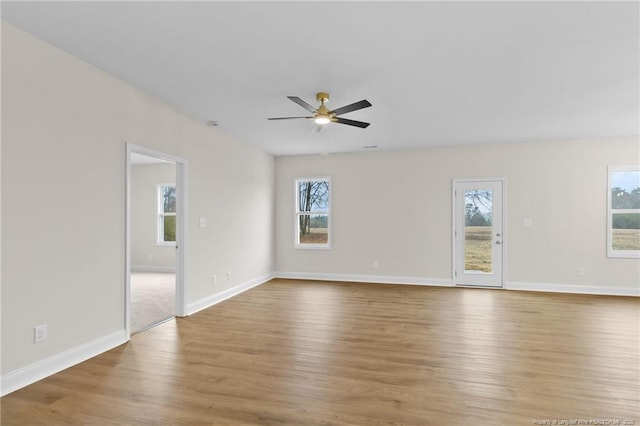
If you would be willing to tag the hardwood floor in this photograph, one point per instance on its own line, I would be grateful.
(316, 353)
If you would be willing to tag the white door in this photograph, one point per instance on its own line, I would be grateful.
(478, 232)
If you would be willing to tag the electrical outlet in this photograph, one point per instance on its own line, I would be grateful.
(40, 333)
(375, 264)
(228, 275)
(581, 272)
(214, 280)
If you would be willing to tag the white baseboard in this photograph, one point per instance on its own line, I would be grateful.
(376, 279)
(572, 288)
(153, 268)
(201, 304)
(29, 374)
(510, 285)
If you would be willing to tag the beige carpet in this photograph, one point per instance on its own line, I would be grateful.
(152, 298)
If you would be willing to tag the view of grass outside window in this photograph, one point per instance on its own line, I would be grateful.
(624, 211)
(477, 230)
(167, 214)
(312, 212)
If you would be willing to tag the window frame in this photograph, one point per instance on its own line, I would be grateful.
(160, 241)
(630, 254)
(298, 213)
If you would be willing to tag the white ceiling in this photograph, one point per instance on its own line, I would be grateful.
(437, 73)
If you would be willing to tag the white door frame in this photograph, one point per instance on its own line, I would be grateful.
(181, 237)
(454, 247)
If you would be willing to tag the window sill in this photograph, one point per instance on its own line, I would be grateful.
(312, 246)
(623, 255)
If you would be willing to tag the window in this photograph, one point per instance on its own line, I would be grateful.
(623, 212)
(166, 214)
(313, 221)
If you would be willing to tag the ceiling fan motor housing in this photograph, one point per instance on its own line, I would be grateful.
(322, 97)
(322, 115)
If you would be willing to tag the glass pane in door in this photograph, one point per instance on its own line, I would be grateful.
(478, 230)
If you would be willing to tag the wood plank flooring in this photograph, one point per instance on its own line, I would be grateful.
(317, 353)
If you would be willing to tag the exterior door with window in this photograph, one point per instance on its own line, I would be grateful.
(478, 233)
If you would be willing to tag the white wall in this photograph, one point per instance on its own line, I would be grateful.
(64, 128)
(146, 254)
(395, 207)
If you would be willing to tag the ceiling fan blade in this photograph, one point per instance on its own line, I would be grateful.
(302, 103)
(352, 107)
(348, 122)
(285, 118)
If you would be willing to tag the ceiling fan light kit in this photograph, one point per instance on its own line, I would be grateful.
(322, 119)
(323, 115)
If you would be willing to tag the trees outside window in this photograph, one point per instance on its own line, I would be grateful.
(312, 228)
(166, 214)
(478, 207)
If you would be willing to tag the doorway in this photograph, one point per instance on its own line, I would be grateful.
(478, 232)
(155, 209)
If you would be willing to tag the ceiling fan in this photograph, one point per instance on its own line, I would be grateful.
(323, 115)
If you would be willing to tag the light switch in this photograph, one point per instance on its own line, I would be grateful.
(526, 222)
(203, 222)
